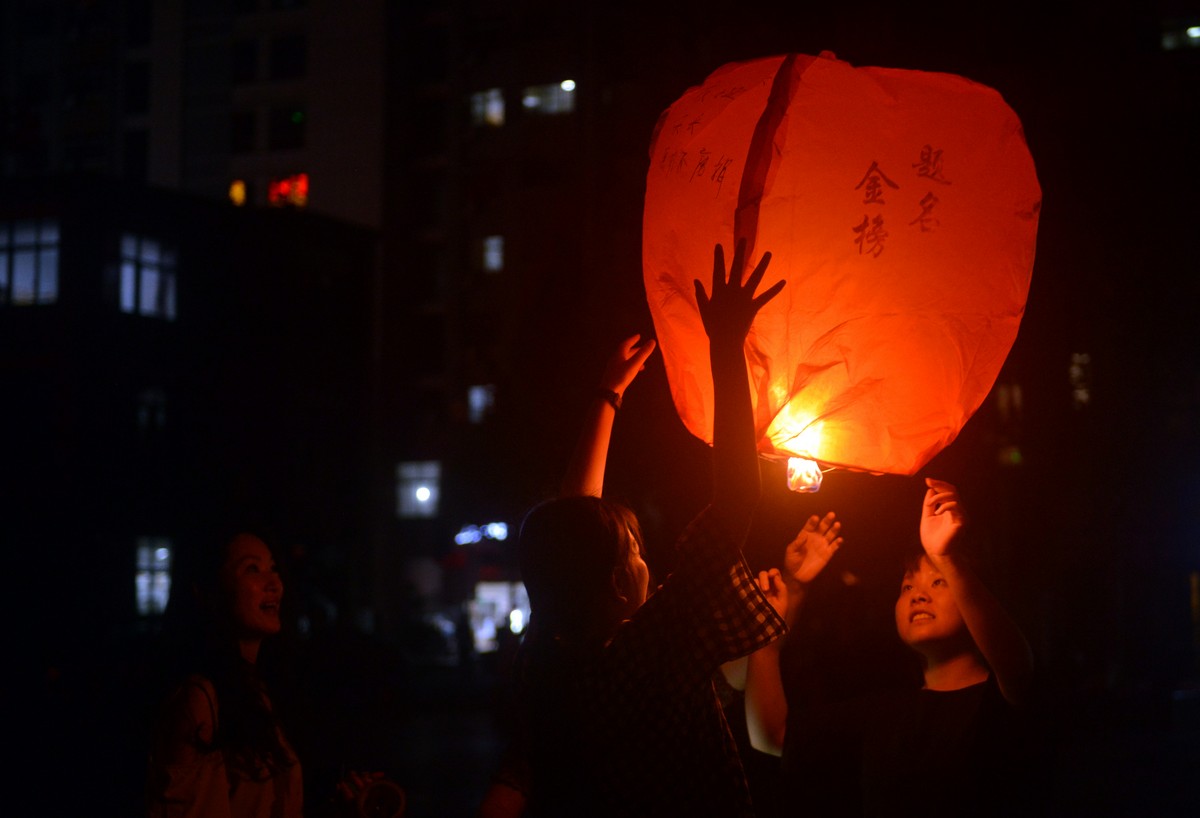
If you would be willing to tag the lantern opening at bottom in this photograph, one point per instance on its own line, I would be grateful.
(803, 475)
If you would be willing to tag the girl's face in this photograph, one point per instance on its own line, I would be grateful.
(252, 586)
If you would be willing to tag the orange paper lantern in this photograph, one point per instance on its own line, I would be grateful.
(902, 208)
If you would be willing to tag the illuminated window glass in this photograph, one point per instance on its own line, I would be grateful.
(237, 192)
(147, 277)
(493, 254)
(288, 191)
(152, 579)
(497, 606)
(480, 400)
(553, 99)
(487, 108)
(28, 261)
(418, 488)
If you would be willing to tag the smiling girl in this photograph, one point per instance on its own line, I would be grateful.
(218, 747)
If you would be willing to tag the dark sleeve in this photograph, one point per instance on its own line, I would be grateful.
(708, 612)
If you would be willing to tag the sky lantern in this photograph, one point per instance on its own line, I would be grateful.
(901, 207)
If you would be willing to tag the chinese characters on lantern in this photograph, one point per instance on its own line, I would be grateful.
(702, 167)
(871, 233)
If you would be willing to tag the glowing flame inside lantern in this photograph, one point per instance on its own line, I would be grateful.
(803, 475)
(796, 431)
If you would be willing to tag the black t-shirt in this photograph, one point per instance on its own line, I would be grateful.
(913, 752)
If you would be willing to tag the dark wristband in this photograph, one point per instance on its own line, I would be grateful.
(612, 397)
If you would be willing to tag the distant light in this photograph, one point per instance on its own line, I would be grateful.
(516, 620)
(237, 192)
(550, 100)
(1010, 456)
(288, 190)
(418, 485)
(297, 117)
(469, 534)
(1194, 32)
(493, 253)
(487, 107)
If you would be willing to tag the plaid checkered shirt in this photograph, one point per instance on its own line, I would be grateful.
(634, 727)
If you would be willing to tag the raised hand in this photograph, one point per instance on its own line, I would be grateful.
(626, 362)
(942, 517)
(729, 310)
(774, 589)
(814, 545)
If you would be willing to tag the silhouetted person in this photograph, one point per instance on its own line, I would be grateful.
(618, 709)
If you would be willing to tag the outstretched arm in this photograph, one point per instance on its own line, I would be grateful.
(804, 559)
(727, 313)
(585, 472)
(995, 632)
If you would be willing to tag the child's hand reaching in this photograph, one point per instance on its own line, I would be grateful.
(808, 554)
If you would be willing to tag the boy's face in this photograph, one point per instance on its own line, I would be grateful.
(926, 610)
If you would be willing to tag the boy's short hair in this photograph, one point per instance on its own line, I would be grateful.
(568, 548)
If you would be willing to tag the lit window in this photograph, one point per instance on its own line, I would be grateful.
(290, 190)
(1009, 401)
(237, 192)
(550, 99)
(1080, 374)
(480, 400)
(152, 580)
(487, 108)
(493, 254)
(147, 282)
(418, 488)
(497, 606)
(28, 261)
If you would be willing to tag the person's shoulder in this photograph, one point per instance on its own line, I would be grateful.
(194, 706)
(706, 532)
